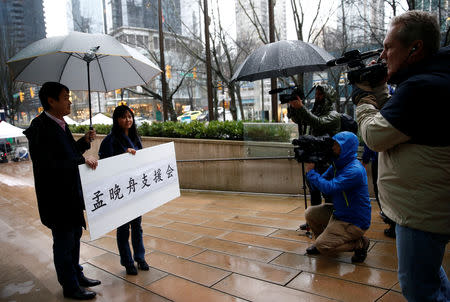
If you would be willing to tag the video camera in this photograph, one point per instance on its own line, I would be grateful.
(354, 59)
(288, 93)
(312, 149)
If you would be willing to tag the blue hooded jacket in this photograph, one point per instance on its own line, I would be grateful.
(346, 181)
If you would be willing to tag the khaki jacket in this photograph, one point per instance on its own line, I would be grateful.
(413, 179)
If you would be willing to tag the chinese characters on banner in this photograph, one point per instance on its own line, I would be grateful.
(126, 186)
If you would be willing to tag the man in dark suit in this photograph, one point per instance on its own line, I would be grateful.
(56, 156)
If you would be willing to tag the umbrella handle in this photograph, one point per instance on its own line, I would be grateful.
(89, 96)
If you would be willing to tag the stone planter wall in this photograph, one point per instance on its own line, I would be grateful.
(198, 170)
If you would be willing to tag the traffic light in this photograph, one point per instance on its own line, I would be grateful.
(122, 103)
(31, 92)
(118, 91)
(194, 73)
(21, 96)
(219, 85)
(168, 71)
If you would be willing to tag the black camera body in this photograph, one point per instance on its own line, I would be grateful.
(313, 149)
(359, 72)
(288, 94)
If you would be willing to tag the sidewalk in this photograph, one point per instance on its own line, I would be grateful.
(201, 247)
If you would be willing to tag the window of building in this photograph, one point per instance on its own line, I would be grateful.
(131, 39)
(140, 40)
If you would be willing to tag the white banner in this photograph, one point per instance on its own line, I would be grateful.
(127, 186)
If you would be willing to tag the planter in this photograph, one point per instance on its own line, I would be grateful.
(199, 169)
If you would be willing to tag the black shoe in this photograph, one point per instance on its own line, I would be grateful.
(80, 294)
(304, 227)
(131, 270)
(312, 250)
(390, 232)
(143, 266)
(361, 254)
(86, 282)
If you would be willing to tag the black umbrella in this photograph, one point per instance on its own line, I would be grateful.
(282, 59)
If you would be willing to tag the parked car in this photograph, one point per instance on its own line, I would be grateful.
(204, 116)
(192, 115)
(139, 120)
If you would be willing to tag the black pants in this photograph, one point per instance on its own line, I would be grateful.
(66, 256)
(374, 179)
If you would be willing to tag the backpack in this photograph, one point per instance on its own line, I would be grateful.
(348, 123)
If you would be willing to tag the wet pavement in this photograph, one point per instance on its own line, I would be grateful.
(200, 247)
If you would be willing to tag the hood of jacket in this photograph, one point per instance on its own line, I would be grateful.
(349, 146)
(326, 105)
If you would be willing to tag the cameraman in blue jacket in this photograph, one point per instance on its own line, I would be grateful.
(340, 227)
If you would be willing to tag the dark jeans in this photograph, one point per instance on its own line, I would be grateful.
(123, 233)
(66, 256)
(420, 271)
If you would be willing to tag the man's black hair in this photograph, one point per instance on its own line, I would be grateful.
(50, 90)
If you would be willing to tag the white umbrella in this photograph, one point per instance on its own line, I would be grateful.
(9, 131)
(98, 119)
(92, 62)
(70, 121)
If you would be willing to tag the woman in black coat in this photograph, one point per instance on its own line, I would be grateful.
(124, 138)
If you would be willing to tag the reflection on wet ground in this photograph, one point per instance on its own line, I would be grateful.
(201, 247)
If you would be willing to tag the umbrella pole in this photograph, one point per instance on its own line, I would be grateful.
(89, 96)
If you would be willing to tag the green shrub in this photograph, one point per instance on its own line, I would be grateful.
(228, 130)
(267, 132)
(99, 128)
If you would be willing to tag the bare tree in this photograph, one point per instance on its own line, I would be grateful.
(226, 54)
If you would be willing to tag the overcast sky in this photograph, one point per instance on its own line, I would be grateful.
(56, 15)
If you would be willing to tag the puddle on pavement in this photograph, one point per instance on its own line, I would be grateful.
(19, 288)
(17, 174)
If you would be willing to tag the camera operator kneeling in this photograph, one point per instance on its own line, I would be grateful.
(340, 227)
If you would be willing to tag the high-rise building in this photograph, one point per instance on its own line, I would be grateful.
(21, 22)
(442, 10)
(135, 23)
(86, 16)
(191, 18)
(143, 14)
(251, 12)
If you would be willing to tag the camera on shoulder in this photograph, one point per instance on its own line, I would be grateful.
(313, 149)
(358, 72)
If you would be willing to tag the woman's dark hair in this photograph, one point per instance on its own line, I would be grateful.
(50, 90)
(116, 130)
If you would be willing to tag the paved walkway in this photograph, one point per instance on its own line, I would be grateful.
(201, 247)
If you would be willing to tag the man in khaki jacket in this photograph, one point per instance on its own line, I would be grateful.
(411, 133)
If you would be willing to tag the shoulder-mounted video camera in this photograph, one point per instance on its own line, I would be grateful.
(313, 149)
(288, 94)
(359, 72)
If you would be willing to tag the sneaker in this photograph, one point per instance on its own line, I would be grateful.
(131, 270)
(304, 227)
(143, 266)
(312, 250)
(361, 254)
